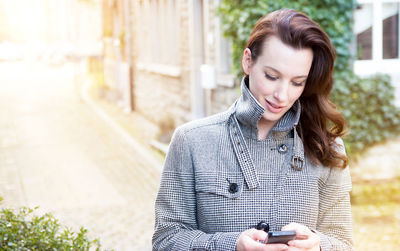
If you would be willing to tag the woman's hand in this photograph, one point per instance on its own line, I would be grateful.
(306, 239)
(250, 240)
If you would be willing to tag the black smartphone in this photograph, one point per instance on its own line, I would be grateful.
(280, 237)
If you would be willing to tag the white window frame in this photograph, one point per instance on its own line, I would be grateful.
(160, 47)
(377, 63)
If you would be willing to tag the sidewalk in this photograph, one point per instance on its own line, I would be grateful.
(134, 127)
(57, 153)
(138, 133)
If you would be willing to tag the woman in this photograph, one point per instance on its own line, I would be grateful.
(275, 156)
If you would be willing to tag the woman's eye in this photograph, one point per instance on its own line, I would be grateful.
(297, 83)
(270, 77)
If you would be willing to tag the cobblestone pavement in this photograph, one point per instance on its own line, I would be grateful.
(56, 153)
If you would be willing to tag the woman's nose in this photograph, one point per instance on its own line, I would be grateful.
(281, 92)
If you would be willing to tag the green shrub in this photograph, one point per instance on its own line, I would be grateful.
(367, 104)
(23, 230)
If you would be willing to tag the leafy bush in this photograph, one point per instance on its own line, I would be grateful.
(367, 104)
(25, 231)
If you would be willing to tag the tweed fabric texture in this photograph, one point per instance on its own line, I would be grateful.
(220, 180)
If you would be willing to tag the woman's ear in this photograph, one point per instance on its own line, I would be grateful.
(246, 61)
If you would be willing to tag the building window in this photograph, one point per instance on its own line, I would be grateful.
(158, 26)
(377, 29)
(363, 31)
(390, 31)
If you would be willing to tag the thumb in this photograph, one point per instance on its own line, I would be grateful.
(258, 235)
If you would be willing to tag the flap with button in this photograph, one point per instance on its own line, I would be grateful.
(229, 185)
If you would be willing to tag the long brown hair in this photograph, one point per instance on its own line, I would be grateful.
(320, 123)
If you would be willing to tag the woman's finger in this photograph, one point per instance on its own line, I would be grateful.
(309, 243)
(258, 246)
(257, 235)
(305, 238)
(291, 248)
(299, 228)
(253, 239)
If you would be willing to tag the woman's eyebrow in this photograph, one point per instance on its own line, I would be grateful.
(272, 68)
(275, 70)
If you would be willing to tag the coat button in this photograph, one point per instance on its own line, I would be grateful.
(282, 148)
(233, 188)
(262, 225)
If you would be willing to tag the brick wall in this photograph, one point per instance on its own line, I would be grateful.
(223, 98)
(158, 95)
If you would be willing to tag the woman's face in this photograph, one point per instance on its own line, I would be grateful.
(278, 77)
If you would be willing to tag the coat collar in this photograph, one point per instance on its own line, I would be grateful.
(246, 112)
(249, 111)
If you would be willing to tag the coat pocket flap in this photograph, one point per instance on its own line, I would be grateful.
(228, 185)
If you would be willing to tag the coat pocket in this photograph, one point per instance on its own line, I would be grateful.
(229, 185)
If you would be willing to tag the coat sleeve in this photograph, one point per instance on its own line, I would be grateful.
(175, 208)
(334, 218)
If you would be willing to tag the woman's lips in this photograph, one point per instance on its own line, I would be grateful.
(274, 108)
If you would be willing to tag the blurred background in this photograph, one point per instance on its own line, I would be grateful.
(92, 90)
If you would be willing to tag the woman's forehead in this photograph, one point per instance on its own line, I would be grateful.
(283, 58)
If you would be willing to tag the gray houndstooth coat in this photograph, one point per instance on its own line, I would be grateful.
(219, 180)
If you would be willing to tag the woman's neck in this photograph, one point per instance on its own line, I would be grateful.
(264, 127)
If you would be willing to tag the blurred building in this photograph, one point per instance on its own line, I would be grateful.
(377, 27)
(162, 48)
(118, 55)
